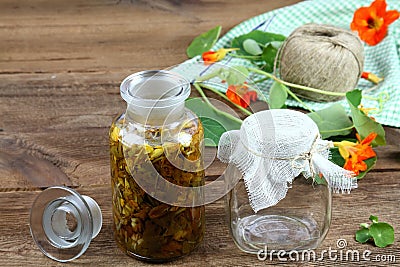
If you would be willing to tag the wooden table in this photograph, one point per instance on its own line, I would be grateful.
(61, 63)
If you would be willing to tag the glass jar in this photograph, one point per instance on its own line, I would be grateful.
(157, 143)
(298, 222)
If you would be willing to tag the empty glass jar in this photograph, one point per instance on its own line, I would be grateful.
(156, 146)
(298, 222)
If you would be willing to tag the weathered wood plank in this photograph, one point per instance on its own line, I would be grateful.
(218, 248)
(84, 37)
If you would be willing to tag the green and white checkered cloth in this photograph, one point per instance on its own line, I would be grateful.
(382, 59)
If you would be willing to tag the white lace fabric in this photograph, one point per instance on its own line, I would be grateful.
(272, 148)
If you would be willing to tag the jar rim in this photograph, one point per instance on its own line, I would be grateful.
(131, 85)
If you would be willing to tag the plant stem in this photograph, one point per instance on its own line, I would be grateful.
(381, 99)
(296, 85)
(245, 57)
(229, 116)
(299, 100)
(261, 80)
(226, 98)
(208, 76)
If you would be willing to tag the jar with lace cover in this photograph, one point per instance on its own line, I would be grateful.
(283, 180)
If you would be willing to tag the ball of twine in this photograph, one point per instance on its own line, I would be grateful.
(322, 57)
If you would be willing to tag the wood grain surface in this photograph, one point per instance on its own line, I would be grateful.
(61, 63)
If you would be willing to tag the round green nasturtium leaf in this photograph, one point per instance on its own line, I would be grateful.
(363, 235)
(382, 233)
(277, 95)
(252, 47)
(203, 42)
(235, 76)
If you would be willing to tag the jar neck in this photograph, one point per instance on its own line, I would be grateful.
(155, 97)
(154, 116)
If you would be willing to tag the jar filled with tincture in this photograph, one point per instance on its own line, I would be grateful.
(156, 165)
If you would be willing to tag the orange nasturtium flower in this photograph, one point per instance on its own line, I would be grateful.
(240, 95)
(211, 56)
(371, 77)
(355, 153)
(372, 22)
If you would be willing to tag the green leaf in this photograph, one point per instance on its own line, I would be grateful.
(260, 37)
(332, 121)
(269, 55)
(364, 124)
(203, 42)
(363, 235)
(319, 180)
(212, 131)
(270, 41)
(214, 124)
(277, 96)
(373, 219)
(252, 47)
(235, 75)
(336, 157)
(382, 233)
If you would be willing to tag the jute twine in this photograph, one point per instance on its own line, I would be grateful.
(323, 57)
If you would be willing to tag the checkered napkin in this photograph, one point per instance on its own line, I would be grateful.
(382, 59)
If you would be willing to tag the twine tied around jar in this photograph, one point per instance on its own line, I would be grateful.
(306, 156)
(272, 148)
